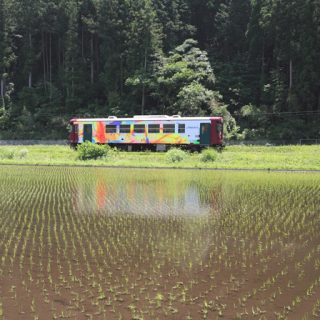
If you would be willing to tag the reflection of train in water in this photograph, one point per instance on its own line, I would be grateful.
(157, 132)
(104, 196)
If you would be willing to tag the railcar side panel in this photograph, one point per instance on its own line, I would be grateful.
(202, 132)
(100, 133)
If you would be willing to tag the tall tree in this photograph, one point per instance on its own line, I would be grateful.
(7, 58)
(27, 16)
(185, 81)
(174, 16)
(144, 43)
(89, 41)
(3, 55)
(73, 69)
(123, 57)
(114, 31)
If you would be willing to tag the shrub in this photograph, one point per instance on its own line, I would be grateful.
(176, 155)
(7, 154)
(21, 154)
(209, 155)
(88, 151)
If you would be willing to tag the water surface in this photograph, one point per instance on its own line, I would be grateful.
(143, 244)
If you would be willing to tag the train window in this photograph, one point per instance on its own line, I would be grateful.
(181, 128)
(168, 128)
(139, 128)
(124, 128)
(111, 128)
(154, 128)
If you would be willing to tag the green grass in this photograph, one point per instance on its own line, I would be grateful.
(232, 157)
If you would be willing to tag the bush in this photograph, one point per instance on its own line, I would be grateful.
(209, 155)
(176, 155)
(21, 154)
(7, 154)
(88, 151)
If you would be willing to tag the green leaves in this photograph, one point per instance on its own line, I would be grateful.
(176, 155)
(194, 99)
(91, 151)
(208, 155)
(158, 56)
(183, 80)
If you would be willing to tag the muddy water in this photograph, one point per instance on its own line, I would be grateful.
(81, 243)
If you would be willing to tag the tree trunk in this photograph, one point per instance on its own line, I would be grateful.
(262, 73)
(59, 53)
(2, 93)
(43, 58)
(50, 64)
(143, 99)
(72, 80)
(96, 44)
(30, 71)
(30, 79)
(82, 43)
(91, 60)
(290, 71)
(121, 75)
(47, 55)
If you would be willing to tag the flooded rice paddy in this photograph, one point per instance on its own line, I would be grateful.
(92, 243)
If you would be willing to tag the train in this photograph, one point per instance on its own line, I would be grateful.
(157, 132)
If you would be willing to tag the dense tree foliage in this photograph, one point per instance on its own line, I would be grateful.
(253, 61)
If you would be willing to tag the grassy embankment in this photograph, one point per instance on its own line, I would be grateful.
(242, 157)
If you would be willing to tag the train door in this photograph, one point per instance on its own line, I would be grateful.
(217, 131)
(87, 132)
(205, 133)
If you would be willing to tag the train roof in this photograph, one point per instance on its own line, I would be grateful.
(146, 118)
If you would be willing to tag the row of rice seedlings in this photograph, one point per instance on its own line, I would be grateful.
(123, 266)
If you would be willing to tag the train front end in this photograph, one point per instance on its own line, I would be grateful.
(74, 133)
(217, 131)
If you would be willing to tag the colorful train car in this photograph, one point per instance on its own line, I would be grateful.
(152, 132)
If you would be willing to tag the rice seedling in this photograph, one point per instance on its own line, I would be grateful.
(132, 244)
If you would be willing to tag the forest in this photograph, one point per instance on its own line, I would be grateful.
(255, 62)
